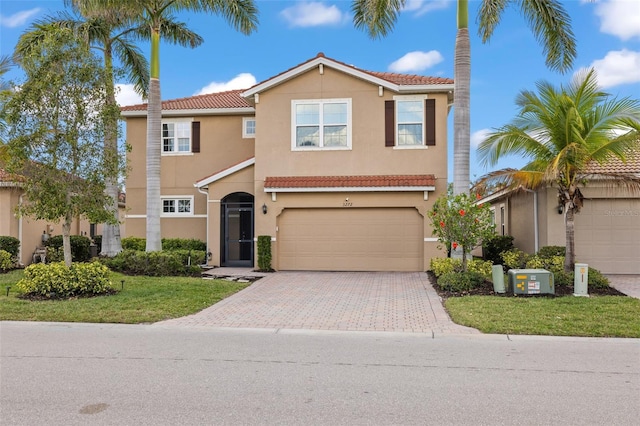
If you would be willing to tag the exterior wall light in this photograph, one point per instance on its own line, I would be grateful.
(264, 209)
(560, 209)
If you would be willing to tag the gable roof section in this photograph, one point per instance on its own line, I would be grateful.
(229, 102)
(224, 173)
(9, 180)
(350, 183)
(396, 82)
(615, 165)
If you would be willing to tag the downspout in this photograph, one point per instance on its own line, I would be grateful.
(20, 231)
(536, 241)
(206, 255)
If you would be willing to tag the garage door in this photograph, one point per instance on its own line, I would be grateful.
(607, 234)
(384, 239)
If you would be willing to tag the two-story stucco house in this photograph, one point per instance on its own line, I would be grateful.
(338, 165)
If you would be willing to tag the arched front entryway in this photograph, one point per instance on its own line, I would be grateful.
(236, 224)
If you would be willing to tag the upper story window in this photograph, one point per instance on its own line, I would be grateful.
(321, 124)
(176, 137)
(248, 127)
(177, 206)
(410, 122)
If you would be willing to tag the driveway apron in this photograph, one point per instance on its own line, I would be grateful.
(356, 301)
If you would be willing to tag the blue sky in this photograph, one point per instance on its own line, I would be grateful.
(290, 32)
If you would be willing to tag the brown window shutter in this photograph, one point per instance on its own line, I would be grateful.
(389, 123)
(430, 121)
(195, 136)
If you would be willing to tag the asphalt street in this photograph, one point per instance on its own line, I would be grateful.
(106, 374)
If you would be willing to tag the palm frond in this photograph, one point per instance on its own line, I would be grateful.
(489, 16)
(376, 17)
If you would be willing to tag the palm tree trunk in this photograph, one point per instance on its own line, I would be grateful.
(570, 250)
(154, 129)
(111, 242)
(461, 113)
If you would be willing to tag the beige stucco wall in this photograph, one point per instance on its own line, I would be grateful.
(221, 145)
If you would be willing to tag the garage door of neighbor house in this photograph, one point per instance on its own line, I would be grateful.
(351, 239)
(607, 234)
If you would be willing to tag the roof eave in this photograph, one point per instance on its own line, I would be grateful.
(224, 173)
(353, 189)
(188, 112)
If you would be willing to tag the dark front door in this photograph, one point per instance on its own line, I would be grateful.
(238, 233)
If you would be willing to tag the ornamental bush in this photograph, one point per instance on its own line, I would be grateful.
(134, 243)
(550, 251)
(10, 244)
(264, 253)
(494, 246)
(157, 263)
(56, 280)
(444, 265)
(6, 261)
(460, 281)
(515, 258)
(79, 246)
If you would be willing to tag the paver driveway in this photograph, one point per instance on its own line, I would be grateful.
(363, 301)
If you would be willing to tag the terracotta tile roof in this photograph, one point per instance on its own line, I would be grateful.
(221, 100)
(8, 177)
(380, 181)
(631, 166)
(410, 79)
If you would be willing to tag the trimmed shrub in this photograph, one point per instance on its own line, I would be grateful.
(483, 267)
(56, 280)
(443, 265)
(460, 281)
(6, 261)
(190, 257)
(79, 246)
(264, 253)
(169, 244)
(491, 249)
(155, 264)
(55, 254)
(550, 251)
(134, 243)
(551, 263)
(515, 258)
(10, 244)
(595, 279)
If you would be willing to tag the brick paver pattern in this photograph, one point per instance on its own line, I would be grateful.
(358, 301)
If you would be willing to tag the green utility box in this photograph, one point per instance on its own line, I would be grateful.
(531, 281)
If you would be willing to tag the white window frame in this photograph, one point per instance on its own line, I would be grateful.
(175, 142)
(321, 124)
(414, 98)
(177, 198)
(245, 127)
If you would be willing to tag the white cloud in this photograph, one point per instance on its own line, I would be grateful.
(620, 18)
(241, 81)
(313, 14)
(18, 19)
(420, 7)
(478, 136)
(126, 95)
(416, 61)
(618, 67)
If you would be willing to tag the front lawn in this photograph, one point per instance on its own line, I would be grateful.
(596, 316)
(142, 300)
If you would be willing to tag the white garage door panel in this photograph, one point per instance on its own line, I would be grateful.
(607, 234)
(351, 240)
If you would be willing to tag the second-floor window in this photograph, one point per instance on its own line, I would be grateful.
(321, 124)
(176, 137)
(410, 119)
(248, 127)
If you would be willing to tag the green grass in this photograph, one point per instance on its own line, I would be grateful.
(143, 300)
(596, 316)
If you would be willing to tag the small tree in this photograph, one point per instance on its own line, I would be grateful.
(458, 221)
(55, 131)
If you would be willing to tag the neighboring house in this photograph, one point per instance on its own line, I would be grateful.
(338, 165)
(29, 231)
(607, 229)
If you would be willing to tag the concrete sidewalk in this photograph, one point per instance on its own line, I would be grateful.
(357, 301)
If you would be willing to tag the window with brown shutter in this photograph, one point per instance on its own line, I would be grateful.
(430, 121)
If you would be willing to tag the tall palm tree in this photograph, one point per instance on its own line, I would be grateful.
(5, 66)
(112, 35)
(564, 132)
(548, 20)
(156, 17)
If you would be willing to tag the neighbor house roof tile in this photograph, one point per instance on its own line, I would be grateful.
(378, 181)
(222, 100)
(615, 165)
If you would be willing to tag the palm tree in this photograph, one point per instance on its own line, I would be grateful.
(155, 16)
(5, 66)
(548, 20)
(564, 132)
(111, 34)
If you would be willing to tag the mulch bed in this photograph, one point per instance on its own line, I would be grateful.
(487, 290)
